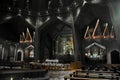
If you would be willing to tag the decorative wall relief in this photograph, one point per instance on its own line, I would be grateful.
(95, 52)
(98, 33)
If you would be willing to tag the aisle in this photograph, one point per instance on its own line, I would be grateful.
(58, 75)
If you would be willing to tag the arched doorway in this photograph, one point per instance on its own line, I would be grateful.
(115, 57)
(20, 54)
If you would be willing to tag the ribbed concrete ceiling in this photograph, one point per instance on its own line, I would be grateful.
(90, 10)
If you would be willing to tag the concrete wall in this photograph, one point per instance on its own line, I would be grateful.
(110, 44)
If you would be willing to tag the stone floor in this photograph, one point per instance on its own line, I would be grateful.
(58, 75)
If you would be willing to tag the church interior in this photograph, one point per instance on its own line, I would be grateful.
(59, 40)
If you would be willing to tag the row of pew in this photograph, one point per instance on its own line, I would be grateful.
(98, 72)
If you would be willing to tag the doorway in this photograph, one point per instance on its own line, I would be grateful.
(115, 57)
(19, 55)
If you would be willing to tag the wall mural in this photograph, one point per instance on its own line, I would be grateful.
(64, 45)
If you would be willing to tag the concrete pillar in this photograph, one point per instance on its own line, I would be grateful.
(108, 58)
(36, 42)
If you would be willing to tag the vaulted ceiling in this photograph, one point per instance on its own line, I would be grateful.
(90, 10)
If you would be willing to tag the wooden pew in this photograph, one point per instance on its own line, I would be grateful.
(80, 78)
